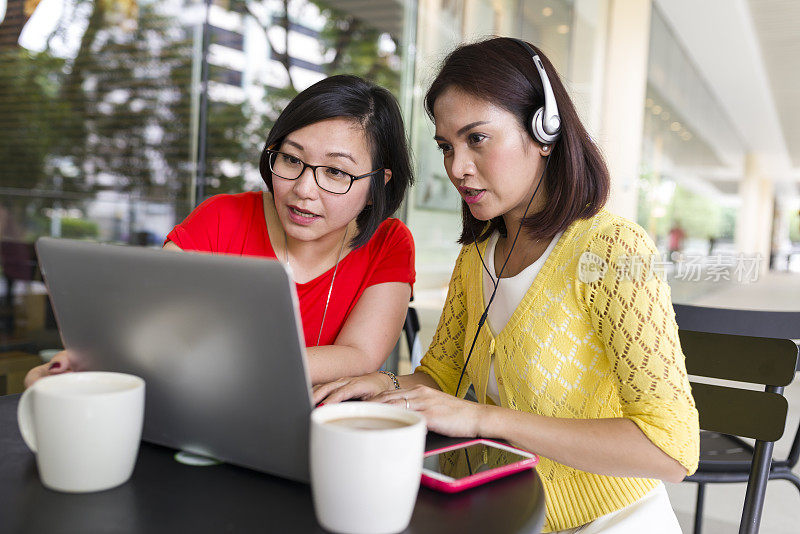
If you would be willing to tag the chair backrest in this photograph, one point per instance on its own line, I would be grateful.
(731, 410)
(18, 260)
(411, 329)
(720, 343)
(411, 335)
(756, 323)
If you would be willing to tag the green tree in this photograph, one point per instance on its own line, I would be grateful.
(356, 49)
(699, 215)
(794, 227)
(34, 127)
(131, 85)
(131, 89)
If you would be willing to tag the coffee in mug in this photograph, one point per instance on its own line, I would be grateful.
(366, 463)
(84, 427)
(368, 423)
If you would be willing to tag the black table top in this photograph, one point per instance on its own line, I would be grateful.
(165, 496)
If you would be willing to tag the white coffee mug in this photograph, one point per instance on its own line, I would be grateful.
(84, 427)
(365, 481)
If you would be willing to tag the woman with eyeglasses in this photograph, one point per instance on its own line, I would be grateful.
(336, 166)
(555, 314)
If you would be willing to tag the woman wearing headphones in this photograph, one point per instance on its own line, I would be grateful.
(553, 314)
(336, 166)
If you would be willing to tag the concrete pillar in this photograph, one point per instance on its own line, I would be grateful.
(780, 233)
(584, 76)
(624, 88)
(754, 223)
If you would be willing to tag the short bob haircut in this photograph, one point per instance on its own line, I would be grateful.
(500, 71)
(377, 111)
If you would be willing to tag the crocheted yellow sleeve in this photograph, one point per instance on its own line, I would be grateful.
(631, 311)
(445, 357)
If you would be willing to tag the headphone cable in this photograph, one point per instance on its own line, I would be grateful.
(497, 282)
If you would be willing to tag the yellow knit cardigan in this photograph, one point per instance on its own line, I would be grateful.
(594, 337)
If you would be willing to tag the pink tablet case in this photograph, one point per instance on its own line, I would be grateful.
(478, 478)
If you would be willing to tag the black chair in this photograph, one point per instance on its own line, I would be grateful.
(18, 262)
(411, 335)
(730, 344)
(411, 330)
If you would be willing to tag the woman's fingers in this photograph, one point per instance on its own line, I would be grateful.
(321, 391)
(392, 395)
(35, 374)
(362, 387)
(338, 391)
(443, 413)
(352, 390)
(389, 397)
(58, 364)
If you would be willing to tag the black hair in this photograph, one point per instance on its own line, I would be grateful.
(377, 111)
(500, 71)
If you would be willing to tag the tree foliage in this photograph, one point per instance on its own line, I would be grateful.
(115, 115)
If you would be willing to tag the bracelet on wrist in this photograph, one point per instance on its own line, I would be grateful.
(393, 378)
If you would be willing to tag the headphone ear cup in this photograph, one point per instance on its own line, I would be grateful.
(537, 127)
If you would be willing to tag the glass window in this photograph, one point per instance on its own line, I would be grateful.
(94, 100)
(692, 158)
(107, 135)
(571, 35)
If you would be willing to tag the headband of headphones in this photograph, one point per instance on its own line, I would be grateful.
(545, 123)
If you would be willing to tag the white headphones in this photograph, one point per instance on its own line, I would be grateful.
(545, 123)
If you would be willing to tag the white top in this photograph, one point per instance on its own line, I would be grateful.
(509, 295)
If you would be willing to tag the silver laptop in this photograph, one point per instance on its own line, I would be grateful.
(216, 338)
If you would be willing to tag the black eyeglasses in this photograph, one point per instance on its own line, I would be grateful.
(329, 179)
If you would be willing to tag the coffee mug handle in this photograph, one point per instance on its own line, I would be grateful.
(25, 420)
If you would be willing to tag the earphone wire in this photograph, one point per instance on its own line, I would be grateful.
(499, 275)
(478, 250)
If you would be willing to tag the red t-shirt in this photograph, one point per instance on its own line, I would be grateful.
(235, 224)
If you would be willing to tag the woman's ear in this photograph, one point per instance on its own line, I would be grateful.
(387, 175)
